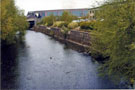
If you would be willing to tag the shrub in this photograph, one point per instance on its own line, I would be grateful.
(49, 20)
(72, 25)
(57, 23)
(60, 24)
(87, 25)
(65, 31)
(65, 24)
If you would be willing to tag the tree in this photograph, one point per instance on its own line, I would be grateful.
(114, 37)
(49, 20)
(12, 21)
(67, 17)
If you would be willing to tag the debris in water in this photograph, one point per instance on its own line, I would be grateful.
(68, 72)
(50, 57)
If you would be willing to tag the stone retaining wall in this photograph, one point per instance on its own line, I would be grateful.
(73, 36)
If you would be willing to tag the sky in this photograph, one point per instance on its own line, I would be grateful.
(33, 5)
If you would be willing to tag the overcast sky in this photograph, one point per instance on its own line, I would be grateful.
(32, 5)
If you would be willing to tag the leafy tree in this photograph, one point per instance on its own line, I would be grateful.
(114, 37)
(67, 17)
(49, 20)
(12, 21)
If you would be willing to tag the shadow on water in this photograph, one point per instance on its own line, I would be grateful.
(9, 65)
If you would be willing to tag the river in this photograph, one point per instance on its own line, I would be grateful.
(40, 62)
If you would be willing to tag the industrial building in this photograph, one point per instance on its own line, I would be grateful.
(35, 16)
(44, 13)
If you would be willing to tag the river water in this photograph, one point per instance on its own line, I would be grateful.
(40, 62)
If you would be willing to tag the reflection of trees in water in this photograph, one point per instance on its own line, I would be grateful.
(9, 65)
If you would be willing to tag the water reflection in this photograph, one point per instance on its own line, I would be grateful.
(9, 66)
(43, 63)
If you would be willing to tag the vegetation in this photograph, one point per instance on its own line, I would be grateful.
(12, 21)
(85, 17)
(48, 21)
(65, 24)
(72, 25)
(114, 38)
(58, 21)
(67, 17)
(65, 31)
(87, 25)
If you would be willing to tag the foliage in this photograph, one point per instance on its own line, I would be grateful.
(58, 18)
(115, 37)
(85, 17)
(67, 17)
(51, 32)
(65, 31)
(49, 20)
(60, 24)
(12, 21)
(87, 25)
(65, 24)
(72, 25)
(57, 23)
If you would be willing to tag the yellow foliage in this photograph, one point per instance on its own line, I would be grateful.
(72, 25)
(12, 20)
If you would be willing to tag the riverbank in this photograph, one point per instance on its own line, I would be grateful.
(76, 39)
(79, 39)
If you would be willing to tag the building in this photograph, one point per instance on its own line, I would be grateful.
(44, 13)
(38, 15)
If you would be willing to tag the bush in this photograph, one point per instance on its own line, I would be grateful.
(67, 17)
(65, 31)
(57, 23)
(72, 25)
(87, 25)
(64, 24)
(49, 20)
(60, 24)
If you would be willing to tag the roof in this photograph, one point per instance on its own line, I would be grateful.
(61, 9)
(30, 16)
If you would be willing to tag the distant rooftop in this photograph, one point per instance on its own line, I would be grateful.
(63, 9)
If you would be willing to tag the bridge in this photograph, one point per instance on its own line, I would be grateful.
(33, 19)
